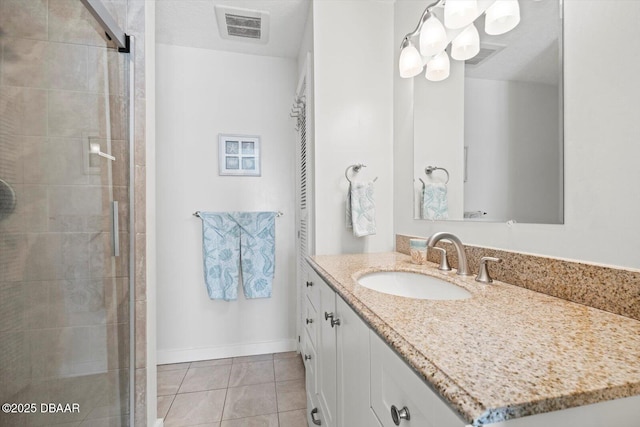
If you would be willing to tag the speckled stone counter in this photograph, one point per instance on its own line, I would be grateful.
(504, 353)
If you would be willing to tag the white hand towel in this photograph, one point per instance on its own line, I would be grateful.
(361, 209)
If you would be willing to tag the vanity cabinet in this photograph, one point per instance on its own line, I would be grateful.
(355, 379)
(337, 361)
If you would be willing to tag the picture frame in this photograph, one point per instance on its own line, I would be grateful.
(239, 155)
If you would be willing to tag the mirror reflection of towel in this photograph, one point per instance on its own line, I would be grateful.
(434, 201)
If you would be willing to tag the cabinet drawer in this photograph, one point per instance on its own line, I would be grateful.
(312, 287)
(311, 322)
(310, 359)
(393, 382)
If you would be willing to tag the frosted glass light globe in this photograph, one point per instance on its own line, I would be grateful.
(460, 13)
(433, 37)
(502, 16)
(410, 63)
(466, 45)
(438, 67)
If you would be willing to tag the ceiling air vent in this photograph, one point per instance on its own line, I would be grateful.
(243, 24)
(486, 52)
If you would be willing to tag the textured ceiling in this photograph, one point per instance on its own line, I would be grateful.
(192, 23)
(531, 51)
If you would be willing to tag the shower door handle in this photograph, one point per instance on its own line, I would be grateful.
(115, 228)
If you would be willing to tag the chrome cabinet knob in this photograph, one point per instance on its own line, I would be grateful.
(309, 321)
(399, 414)
(307, 357)
(309, 284)
(334, 322)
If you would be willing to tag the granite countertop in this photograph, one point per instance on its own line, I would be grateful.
(504, 353)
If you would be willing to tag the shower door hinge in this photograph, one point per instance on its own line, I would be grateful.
(127, 47)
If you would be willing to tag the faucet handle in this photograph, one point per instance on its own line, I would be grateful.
(444, 264)
(483, 273)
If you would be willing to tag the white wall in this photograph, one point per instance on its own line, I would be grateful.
(353, 66)
(602, 130)
(512, 164)
(202, 93)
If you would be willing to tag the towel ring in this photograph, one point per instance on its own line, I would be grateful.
(356, 168)
(429, 170)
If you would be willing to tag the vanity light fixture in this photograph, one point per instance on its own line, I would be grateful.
(459, 15)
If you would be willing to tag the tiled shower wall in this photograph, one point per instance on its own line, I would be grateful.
(64, 300)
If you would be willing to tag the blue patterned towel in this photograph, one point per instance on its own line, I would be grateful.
(361, 208)
(434, 201)
(257, 252)
(221, 253)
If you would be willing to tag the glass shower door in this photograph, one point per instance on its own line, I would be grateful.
(64, 218)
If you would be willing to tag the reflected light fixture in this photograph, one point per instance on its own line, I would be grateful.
(459, 15)
(502, 16)
(466, 45)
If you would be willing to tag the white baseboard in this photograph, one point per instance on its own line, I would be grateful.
(160, 422)
(221, 352)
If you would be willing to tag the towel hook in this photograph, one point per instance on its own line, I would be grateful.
(429, 170)
(356, 168)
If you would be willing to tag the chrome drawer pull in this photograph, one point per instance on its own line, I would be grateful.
(309, 321)
(314, 411)
(309, 284)
(307, 357)
(397, 415)
(334, 322)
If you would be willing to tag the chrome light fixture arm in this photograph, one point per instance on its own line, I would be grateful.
(425, 15)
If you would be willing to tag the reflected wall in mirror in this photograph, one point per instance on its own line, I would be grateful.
(496, 126)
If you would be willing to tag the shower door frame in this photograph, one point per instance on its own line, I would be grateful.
(125, 44)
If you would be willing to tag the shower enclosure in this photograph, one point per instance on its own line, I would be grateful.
(65, 287)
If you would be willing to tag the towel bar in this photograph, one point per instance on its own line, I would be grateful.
(197, 214)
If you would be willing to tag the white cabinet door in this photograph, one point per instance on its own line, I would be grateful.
(326, 351)
(354, 407)
(394, 384)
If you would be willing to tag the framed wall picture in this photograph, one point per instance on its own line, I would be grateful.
(239, 155)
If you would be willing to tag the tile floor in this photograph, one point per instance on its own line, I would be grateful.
(254, 391)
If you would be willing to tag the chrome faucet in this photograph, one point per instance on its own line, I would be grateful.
(463, 269)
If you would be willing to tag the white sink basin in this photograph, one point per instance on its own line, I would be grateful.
(412, 285)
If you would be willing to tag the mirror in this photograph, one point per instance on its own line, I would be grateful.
(494, 128)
